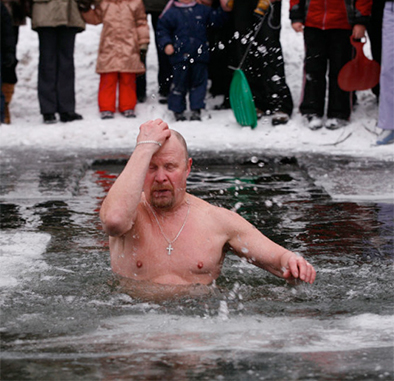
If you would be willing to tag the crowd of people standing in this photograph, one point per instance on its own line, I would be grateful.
(193, 39)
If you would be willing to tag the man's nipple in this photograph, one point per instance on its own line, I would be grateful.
(200, 265)
(139, 264)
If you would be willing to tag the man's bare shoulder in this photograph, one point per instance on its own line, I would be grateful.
(218, 213)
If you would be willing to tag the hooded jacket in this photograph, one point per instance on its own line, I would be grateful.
(186, 29)
(330, 14)
(125, 29)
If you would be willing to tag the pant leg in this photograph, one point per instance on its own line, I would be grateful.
(374, 29)
(198, 85)
(315, 69)
(267, 72)
(141, 81)
(47, 70)
(107, 91)
(179, 87)
(340, 53)
(2, 99)
(386, 98)
(65, 85)
(127, 91)
(164, 75)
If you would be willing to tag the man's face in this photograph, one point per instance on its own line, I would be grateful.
(165, 181)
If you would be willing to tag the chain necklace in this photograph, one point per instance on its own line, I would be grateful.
(169, 248)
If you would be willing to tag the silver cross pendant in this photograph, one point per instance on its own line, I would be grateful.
(169, 249)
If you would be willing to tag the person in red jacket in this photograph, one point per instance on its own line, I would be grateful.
(328, 26)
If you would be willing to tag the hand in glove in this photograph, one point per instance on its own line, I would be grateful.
(262, 7)
(84, 5)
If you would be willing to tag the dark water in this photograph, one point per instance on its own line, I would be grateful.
(60, 320)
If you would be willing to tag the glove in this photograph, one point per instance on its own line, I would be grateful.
(262, 7)
(143, 51)
(84, 5)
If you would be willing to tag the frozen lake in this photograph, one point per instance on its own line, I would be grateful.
(61, 320)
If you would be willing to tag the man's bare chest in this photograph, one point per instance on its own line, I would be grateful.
(197, 251)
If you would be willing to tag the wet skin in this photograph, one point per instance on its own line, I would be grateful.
(154, 183)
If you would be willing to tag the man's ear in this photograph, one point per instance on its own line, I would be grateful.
(189, 165)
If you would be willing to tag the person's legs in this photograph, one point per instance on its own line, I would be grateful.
(141, 81)
(386, 103)
(107, 92)
(268, 83)
(179, 86)
(386, 99)
(127, 91)
(315, 68)
(164, 75)
(65, 84)
(198, 85)
(340, 53)
(47, 70)
(2, 99)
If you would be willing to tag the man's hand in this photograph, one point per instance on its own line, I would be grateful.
(358, 32)
(298, 268)
(297, 26)
(154, 130)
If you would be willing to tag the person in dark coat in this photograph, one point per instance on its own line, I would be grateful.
(182, 35)
(18, 10)
(8, 48)
(164, 74)
(57, 23)
(264, 65)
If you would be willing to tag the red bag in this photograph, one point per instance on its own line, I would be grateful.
(360, 73)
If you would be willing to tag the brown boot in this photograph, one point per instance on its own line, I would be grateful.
(8, 91)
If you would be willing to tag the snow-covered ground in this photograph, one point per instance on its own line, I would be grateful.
(218, 130)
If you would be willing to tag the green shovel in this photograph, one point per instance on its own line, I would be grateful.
(241, 97)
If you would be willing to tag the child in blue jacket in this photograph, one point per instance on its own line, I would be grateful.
(182, 35)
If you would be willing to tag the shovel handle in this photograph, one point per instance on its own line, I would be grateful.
(259, 25)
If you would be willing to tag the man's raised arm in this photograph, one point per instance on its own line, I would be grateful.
(119, 209)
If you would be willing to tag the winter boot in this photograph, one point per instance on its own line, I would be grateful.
(196, 115)
(179, 116)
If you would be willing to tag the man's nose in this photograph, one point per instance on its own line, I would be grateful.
(161, 175)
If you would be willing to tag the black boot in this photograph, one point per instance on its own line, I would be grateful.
(69, 116)
(196, 115)
(179, 116)
(49, 118)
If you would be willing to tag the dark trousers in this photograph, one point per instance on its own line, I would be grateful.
(164, 75)
(325, 49)
(2, 98)
(192, 77)
(375, 34)
(264, 66)
(56, 74)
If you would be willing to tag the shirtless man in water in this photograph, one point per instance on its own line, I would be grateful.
(161, 234)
